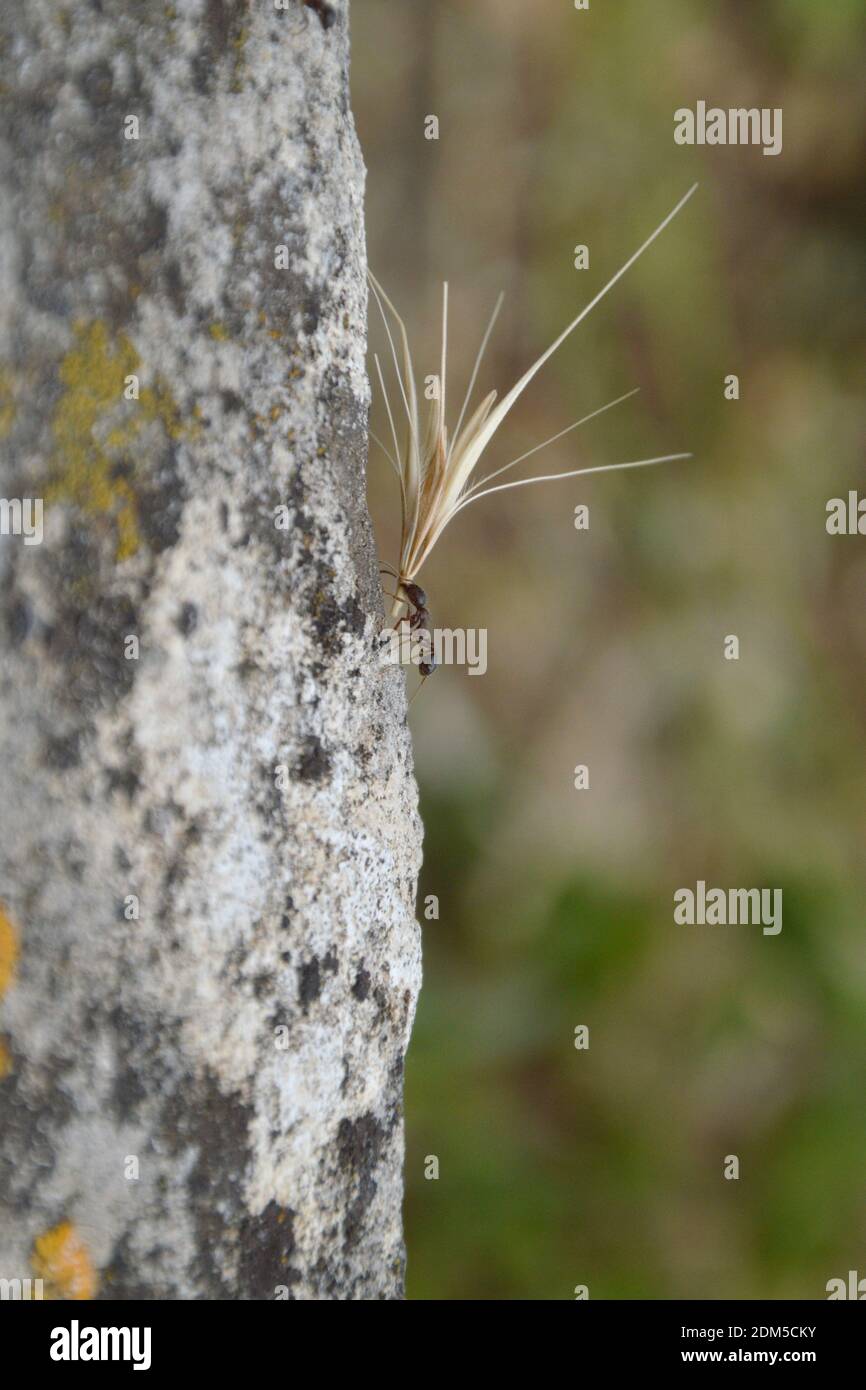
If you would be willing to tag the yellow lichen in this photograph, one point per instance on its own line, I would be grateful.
(5, 1060)
(94, 427)
(9, 951)
(7, 406)
(60, 1258)
(219, 331)
(239, 45)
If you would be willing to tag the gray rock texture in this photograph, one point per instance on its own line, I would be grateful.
(210, 841)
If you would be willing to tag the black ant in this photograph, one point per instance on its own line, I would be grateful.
(415, 599)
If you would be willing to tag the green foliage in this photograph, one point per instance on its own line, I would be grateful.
(604, 1167)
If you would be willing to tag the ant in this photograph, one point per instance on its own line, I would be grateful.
(415, 599)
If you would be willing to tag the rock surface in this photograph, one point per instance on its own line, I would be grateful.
(210, 841)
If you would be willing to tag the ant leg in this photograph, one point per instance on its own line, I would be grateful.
(394, 623)
(418, 691)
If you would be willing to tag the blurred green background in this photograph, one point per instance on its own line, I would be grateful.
(604, 1167)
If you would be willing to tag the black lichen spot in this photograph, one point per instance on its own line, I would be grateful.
(127, 1093)
(172, 278)
(123, 1280)
(327, 1282)
(63, 751)
(35, 1107)
(149, 231)
(332, 619)
(96, 84)
(232, 403)
(359, 1146)
(72, 857)
(218, 24)
(313, 763)
(266, 1246)
(123, 779)
(263, 984)
(361, 987)
(218, 30)
(359, 1150)
(381, 999)
(199, 1117)
(359, 1143)
(353, 1225)
(161, 496)
(294, 300)
(177, 869)
(19, 620)
(187, 619)
(309, 983)
(87, 637)
(139, 1068)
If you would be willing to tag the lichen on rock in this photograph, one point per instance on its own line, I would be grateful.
(200, 1090)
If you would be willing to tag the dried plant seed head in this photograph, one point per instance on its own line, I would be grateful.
(435, 472)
